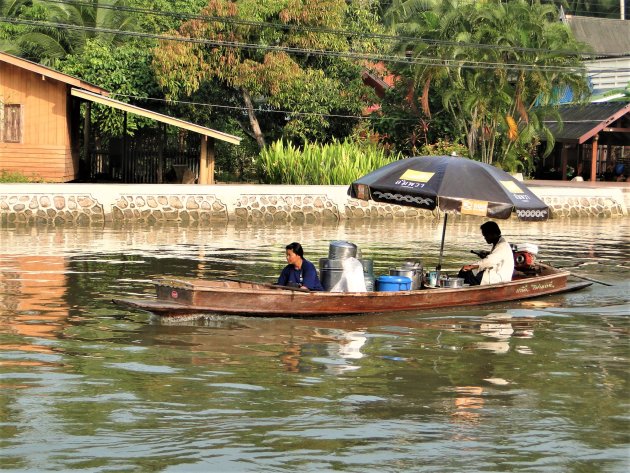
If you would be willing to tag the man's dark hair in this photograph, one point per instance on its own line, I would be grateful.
(491, 228)
(296, 248)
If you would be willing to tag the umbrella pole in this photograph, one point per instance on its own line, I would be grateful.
(439, 265)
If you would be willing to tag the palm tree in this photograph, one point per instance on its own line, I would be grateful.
(10, 9)
(539, 42)
(503, 62)
(45, 43)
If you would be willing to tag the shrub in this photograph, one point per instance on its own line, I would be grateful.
(335, 163)
(15, 176)
(444, 148)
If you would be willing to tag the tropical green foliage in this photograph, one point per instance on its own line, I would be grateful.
(158, 16)
(292, 96)
(444, 148)
(481, 74)
(124, 71)
(45, 43)
(334, 163)
(496, 92)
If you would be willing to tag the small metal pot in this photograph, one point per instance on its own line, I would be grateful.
(452, 282)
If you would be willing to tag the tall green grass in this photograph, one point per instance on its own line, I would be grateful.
(335, 163)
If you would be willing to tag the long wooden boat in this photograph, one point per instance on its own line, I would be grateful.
(198, 296)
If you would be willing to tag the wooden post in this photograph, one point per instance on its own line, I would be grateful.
(159, 178)
(210, 156)
(126, 162)
(87, 154)
(203, 161)
(564, 160)
(594, 158)
(206, 161)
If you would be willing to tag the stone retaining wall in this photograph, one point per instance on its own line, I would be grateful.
(59, 204)
(271, 208)
(53, 208)
(584, 207)
(152, 208)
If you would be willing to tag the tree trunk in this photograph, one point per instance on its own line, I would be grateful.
(471, 140)
(483, 140)
(493, 138)
(260, 139)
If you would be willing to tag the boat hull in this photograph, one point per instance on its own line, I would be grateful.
(182, 296)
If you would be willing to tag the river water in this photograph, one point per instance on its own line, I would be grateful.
(536, 386)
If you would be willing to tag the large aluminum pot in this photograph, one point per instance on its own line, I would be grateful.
(331, 270)
(341, 249)
(415, 276)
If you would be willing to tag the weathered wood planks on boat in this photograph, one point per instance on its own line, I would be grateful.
(187, 296)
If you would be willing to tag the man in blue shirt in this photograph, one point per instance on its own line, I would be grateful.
(300, 272)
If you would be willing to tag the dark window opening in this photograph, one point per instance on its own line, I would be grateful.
(12, 123)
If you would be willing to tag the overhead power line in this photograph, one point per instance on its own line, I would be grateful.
(315, 29)
(265, 110)
(419, 60)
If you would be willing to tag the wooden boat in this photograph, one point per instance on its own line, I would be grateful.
(197, 296)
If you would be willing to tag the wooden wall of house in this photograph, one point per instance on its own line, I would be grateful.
(45, 150)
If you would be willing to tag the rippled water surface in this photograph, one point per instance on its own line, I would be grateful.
(536, 386)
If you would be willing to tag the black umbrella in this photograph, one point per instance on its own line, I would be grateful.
(452, 184)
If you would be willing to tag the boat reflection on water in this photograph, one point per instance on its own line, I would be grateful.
(499, 327)
(341, 348)
(341, 344)
(352, 349)
(469, 403)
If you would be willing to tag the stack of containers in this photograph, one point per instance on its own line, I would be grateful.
(331, 268)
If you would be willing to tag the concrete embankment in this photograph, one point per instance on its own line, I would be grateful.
(60, 204)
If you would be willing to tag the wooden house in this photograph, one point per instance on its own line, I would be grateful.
(40, 122)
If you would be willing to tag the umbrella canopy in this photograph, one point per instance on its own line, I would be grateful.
(452, 184)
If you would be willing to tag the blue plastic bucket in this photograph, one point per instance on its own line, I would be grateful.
(393, 283)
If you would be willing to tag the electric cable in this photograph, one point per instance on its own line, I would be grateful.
(419, 60)
(314, 29)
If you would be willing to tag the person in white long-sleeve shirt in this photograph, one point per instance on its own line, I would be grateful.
(497, 266)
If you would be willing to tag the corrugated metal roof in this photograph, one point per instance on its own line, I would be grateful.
(604, 35)
(581, 122)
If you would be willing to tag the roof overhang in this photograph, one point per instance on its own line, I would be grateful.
(580, 123)
(604, 124)
(49, 73)
(96, 98)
